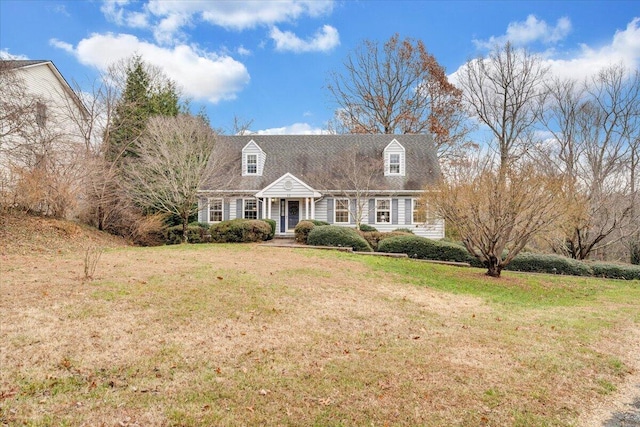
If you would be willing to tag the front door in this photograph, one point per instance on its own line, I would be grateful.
(293, 213)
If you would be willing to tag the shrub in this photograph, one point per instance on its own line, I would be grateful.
(196, 233)
(240, 231)
(423, 248)
(272, 224)
(616, 271)
(367, 228)
(317, 223)
(302, 230)
(404, 230)
(332, 235)
(548, 263)
(375, 237)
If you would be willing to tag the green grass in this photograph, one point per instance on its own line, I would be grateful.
(228, 335)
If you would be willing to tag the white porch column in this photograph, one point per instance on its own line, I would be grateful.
(264, 207)
(268, 207)
(306, 208)
(313, 208)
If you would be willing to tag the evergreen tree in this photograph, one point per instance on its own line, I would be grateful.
(141, 99)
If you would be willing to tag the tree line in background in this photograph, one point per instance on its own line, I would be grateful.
(558, 172)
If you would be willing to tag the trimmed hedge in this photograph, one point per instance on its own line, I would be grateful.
(615, 271)
(196, 233)
(302, 230)
(333, 235)
(548, 263)
(317, 223)
(240, 231)
(367, 228)
(423, 248)
(375, 237)
(272, 224)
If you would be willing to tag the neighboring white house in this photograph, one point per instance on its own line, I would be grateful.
(289, 178)
(41, 125)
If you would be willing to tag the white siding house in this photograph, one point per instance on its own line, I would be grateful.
(45, 137)
(287, 178)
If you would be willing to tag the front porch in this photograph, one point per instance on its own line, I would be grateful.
(288, 200)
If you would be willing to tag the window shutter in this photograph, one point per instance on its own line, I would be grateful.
(408, 211)
(239, 213)
(372, 211)
(226, 210)
(203, 210)
(259, 208)
(330, 211)
(353, 209)
(394, 211)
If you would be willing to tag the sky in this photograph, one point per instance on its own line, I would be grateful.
(269, 61)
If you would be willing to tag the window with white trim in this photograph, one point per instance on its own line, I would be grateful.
(383, 211)
(250, 209)
(215, 210)
(394, 164)
(41, 114)
(341, 211)
(252, 164)
(419, 215)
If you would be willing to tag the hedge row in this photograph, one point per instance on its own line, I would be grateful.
(196, 233)
(333, 235)
(422, 248)
(241, 231)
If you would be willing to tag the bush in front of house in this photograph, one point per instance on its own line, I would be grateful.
(367, 228)
(302, 230)
(333, 235)
(423, 248)
(404, 230)
(615, 271)
(196, 233)
(375, 237)
(272, 224)
(240, 231)
(317, 223)
(548, 263)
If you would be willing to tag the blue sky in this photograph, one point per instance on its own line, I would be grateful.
(268, 61)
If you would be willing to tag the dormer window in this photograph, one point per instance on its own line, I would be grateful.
(394, 164)
(394, 159)
(252, 164)
(253, 159)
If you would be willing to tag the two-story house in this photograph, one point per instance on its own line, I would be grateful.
(344, 180)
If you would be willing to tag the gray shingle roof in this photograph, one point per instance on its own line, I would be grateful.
(19, 63)
(309, 157)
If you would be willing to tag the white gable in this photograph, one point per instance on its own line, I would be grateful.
(288, 186)
(252, 151)
(394, 159)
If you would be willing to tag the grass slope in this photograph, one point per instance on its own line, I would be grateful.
(253, 335)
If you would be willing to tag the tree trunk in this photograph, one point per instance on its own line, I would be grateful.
(494, 266)
(185, 223)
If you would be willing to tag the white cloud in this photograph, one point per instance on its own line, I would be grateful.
(294, 129)
(201, 75)
(240, 15)
(324, 40)
(624, 49)
(243, 51)
(530, 31)
(168, 17)
(4, 54)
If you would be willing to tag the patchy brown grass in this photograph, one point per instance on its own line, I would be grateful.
(255, 335)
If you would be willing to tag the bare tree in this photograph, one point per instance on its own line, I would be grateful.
(175, 156)
(398, 88)
(502, 92)
(595, 127)
(497, 212)
(354, 175)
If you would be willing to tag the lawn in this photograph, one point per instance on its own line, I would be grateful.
(255, 335)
